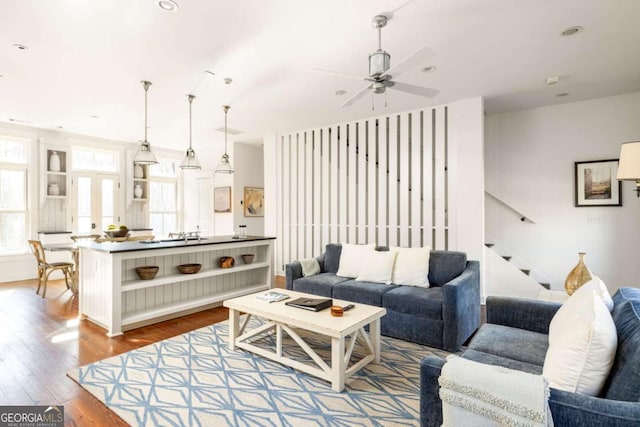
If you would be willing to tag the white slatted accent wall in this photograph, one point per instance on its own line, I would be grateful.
(383, 180)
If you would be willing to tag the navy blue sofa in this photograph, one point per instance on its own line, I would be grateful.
(515, 336)
(444, 315)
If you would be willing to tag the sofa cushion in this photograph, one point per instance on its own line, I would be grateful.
(624, 381)
(583, 349)
(445, 265)
(332, 258)
(362, 292)
(377, 267)
(352, 258)
(411, 267)
(425, 302)
(492, 359)
(511, 343)
(320, 284)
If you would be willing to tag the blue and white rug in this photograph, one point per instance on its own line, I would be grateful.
(195, 380)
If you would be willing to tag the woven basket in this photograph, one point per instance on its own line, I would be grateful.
(147, 272)
(226, 262)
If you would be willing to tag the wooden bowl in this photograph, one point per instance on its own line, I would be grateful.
(226, 262)
(248, 258)
(147, 272)
(120, 232)
(189, 268)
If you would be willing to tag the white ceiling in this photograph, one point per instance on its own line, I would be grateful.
(87, 57)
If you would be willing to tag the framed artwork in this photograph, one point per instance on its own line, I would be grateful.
(253, 201)
(596, 183)
(222, 199)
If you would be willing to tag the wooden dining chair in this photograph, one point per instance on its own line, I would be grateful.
(46, 268)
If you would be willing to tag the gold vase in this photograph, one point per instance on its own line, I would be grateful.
(578, 276)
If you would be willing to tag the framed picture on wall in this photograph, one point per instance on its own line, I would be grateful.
(253, 201)
(596, 183)
(222, 199)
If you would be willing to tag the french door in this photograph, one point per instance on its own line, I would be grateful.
(94, 202)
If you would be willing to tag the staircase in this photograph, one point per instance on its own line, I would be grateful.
(507, 275)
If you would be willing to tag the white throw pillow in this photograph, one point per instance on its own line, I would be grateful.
(377, 267)
(597, 285)
(351, 259)
(411, 267)
(581, 354)
(574, 301)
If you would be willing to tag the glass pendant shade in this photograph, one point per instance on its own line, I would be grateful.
(190, 159)
(224, 165)
(145, 156)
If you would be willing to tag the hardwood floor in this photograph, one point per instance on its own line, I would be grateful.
(41, 339)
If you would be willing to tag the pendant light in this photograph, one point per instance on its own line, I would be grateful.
(190, 159)
(224, 166)
(145, 156)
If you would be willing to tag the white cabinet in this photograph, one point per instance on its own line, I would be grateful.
(55, 185)
(137, 180)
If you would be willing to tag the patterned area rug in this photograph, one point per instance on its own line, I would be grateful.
(195, 380)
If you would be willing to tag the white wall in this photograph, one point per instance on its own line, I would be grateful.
(249, 165)
(529, 162)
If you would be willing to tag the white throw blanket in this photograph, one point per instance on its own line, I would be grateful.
(476, 394)
(310, 266)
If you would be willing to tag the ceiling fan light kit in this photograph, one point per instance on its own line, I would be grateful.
(145, 156)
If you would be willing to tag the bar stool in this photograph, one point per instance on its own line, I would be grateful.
(46, 268)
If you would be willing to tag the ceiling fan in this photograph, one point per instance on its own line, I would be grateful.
(381, 72)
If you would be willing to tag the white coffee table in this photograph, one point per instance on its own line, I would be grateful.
(280, 317)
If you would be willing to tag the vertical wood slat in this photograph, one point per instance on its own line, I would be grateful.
(416, 181)
(286, 214)
(361, 184)
(317, 195)
(393, 181)
(351, 196)
(308, 221)
(439, 196)
(293, 165)
(372, 202)
(301, 198)
(404, 169)
(334, 189)
(342, 178)
(325, 187)
(427, 183)
(382, 182)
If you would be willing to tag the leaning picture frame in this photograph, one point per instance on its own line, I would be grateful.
(253, 201)
(596, 183)
(222, 199)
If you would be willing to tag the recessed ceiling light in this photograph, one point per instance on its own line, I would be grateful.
(429, 69)
(168, 5)
(227, 80)
(341, 92)
(552, 80)
(572, 30)
(560, 95)
(93, 116)
(60, 127)
(211, 73)
(20, 46)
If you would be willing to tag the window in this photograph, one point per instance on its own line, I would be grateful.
(13, 195)
(163, 195)
(90, 159)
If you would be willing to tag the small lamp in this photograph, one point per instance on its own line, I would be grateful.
(629, 164)
(224, 166)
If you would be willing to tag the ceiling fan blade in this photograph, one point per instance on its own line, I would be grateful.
(416, 90)
(362, 92)
(338, 74)
(409, 61)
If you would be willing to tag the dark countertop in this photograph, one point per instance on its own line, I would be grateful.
(145, 245)
(54, 232)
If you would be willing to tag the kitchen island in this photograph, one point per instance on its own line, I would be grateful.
(113, 296)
